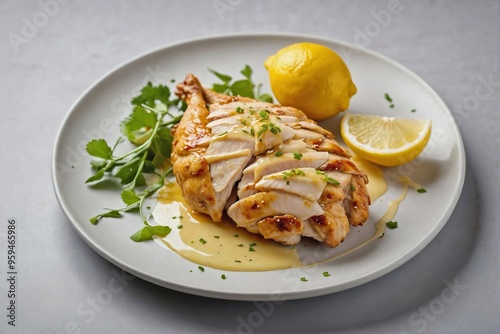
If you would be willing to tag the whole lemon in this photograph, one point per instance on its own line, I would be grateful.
(312, 78)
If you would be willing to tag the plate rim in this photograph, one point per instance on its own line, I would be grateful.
(289, 295)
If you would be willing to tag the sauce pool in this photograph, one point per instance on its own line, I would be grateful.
(221, 245)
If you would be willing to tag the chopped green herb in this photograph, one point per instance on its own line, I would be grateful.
(353, 188)
(273, 128)
(421, 190)
(203, 241)
(201, 268)
(292, 172)
(222, 134)
(237, 261)
(331, 180)
(179, 226)
(251, 249)
(240, 245)
(387, 97)
(413, 110)
(303, 279)
(240, 110)
(392, 224)
(326, 274)
(223, 276)
(236, 235)
(297, 156)
(264, 114)
(252, 244)
(278, 153)
(216, 237)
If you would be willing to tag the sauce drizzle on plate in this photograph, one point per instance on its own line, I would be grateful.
(225, 246)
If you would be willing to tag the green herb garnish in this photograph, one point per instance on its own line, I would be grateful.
(273, 128)
(389, 99)
(150, 132)
(328, 179)
(331, 180)
(264, 114)
(421, 190)
(392, 224)
(244, 87)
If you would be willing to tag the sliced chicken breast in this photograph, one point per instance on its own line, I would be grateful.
(274, 171)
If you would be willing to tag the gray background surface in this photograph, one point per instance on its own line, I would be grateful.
(452, 286)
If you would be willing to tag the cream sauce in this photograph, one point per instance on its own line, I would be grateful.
(222, 245)
(380, 226)
(377, 186)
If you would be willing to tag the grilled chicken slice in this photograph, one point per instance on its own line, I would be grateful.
(249, 211)
(286, 229)
(191, 140)
(273, 170)
(304, 182)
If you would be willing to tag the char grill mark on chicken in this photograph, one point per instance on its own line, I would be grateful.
(274, 171)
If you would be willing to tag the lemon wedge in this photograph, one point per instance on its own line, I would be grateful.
(386, 141)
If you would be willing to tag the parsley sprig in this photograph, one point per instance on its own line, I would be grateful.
(148, 130)
(243, 87)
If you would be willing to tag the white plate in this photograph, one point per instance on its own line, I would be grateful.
(99, 110)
